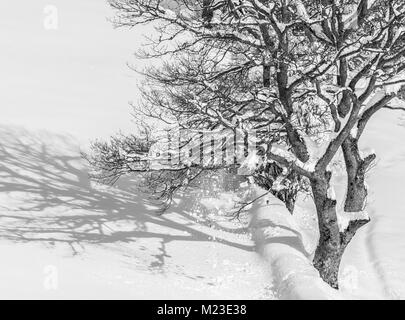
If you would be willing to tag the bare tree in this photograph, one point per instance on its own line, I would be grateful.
(306, 75)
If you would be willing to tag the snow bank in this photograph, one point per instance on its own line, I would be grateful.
(285, 249)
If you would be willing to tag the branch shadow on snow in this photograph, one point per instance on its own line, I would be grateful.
(277, 228)
(46, 197)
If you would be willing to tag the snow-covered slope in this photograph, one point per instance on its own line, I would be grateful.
(63, 237)
(73, 78)
(374, 265)
(104, 242)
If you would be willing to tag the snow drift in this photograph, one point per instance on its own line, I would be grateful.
(287, 251)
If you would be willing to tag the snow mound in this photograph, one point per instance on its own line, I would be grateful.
(286, 250)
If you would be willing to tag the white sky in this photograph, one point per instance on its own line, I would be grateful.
(73, 79)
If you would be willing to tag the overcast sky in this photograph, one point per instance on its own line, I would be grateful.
(72, 79)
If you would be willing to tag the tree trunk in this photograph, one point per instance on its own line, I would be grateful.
(328, 254)
(333, 242)
(356, 169)
(327, 261)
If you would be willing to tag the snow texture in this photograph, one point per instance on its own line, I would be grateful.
(285, 249)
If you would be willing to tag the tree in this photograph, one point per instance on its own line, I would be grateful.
(305, 75)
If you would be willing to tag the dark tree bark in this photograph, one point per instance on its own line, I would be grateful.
(207, 13)
(328, 254)
(332, 242)
(266, 75)
(297, 143)
(265, 177)
(356, 169)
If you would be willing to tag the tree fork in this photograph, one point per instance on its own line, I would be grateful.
(332, 242)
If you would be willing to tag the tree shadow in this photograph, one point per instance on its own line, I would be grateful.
(269, 231)
(46, 197)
